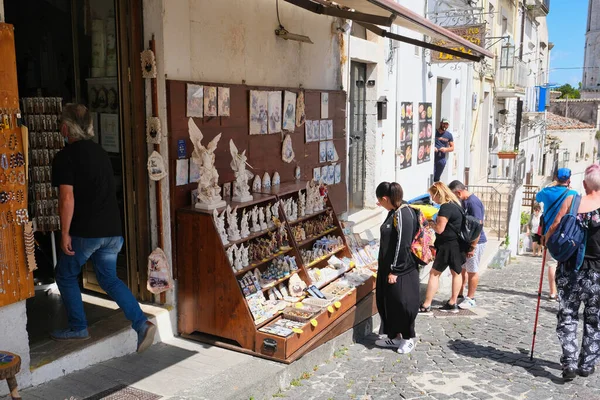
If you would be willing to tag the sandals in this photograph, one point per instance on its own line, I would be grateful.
(423, 309)
(553, 297)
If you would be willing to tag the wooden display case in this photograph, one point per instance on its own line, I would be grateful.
(212, 307)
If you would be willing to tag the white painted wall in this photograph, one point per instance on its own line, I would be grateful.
(14, 338)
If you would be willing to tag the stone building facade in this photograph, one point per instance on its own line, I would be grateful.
(591, 72)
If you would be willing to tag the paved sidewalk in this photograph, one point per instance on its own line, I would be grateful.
(481, 357)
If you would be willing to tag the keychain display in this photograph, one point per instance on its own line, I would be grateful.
(42, 116)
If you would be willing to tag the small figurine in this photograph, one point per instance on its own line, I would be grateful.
(275, 210)
(232, 225)
(229, 253)
(238, 165)
(238, 258)
(266, 181)
(269, 216)
(256, 184)
(261, 219)
(245, 229)
(255, 225)
(245, 260)
(220, 225)
(301, 203)
(294, 211)
(276, 179)
(297, 174)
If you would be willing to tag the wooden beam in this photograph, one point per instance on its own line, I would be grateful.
(420, 43)
(337, 12)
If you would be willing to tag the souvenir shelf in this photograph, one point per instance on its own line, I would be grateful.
(222, 305)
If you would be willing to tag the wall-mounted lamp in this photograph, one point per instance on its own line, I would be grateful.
(457, 81)
(503, 112)
(371, 83)
(360, 83)
(430, 74)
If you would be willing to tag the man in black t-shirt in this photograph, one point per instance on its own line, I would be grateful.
(91, 227)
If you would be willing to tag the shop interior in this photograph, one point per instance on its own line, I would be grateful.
(72, 59)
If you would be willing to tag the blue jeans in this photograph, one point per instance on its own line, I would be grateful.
(103, 253)
(438, 168)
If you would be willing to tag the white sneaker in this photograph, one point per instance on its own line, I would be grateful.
(390, 343)
(467, 303)
(407, 347)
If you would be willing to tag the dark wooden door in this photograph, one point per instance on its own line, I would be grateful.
(356, 172)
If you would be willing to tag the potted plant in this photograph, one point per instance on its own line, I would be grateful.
(507, 155)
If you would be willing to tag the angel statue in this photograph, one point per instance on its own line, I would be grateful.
(209, 192)
(238, 165)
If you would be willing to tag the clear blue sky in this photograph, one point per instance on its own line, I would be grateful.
(567, 23)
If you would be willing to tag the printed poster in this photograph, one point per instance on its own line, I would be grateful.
(425, 127)
(405, 155)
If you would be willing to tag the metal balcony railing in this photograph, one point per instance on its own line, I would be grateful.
(514, 76)
(495, 209)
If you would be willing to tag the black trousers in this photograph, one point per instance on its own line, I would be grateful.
(398, 304)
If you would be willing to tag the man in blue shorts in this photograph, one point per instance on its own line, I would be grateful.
(470, 271)
(444, 143)
(552, 198)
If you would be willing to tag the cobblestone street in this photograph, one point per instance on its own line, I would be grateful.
(481, 357)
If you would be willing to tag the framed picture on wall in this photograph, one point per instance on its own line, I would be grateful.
(274, 106)
(210, 101)
(109, 124)
(224, 102)
(195, 101)
(289, 111)
(258, 112)
(324, 105)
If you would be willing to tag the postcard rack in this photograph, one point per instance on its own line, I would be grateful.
(217, 301)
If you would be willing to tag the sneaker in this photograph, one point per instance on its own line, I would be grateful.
(146, 336)
(66, 335)
(467, 303)
(407, 347)
(451, 308)
(389, 343)
(424, 310)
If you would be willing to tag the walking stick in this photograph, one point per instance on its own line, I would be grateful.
(537, 310)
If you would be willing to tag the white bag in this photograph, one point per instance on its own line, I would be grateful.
(159, 273)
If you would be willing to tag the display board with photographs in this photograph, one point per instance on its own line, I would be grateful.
(405, 155)
(425, 113)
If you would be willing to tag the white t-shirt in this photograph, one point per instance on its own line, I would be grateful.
(535, 223)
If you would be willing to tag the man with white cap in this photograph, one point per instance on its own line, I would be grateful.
(444, 143)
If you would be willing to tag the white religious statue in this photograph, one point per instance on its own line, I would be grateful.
(229, 253)
(309, 202)
(301, 203)
(275, 210)
(245, 228)
(269, 216)
(238, 165)
(209, 192)
(297, 173)
(276, 179)
(233, 232)
(256, 184)
(255, 224)
(245, 261)
(266, 181)
(237, 263)
(294, 211)
(261, 219)
(220, 224)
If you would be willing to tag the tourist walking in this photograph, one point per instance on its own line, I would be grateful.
(449, 253)
(397, 293)
(534, 230)
(581, 284)
(552, 198)
(470, 270)
(91, 227)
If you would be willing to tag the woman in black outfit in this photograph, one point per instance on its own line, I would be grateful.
(397, 275)
(448, 251)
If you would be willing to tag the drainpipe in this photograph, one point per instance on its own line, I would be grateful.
(522, 32)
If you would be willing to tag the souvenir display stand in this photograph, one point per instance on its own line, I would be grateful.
(17, 259)
(225, 303)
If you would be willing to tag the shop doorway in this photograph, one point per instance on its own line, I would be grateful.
(88, 54)
(358, 123)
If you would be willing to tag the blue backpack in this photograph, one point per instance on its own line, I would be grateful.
(570, 237)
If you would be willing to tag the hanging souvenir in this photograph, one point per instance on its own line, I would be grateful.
(159, 275)
(153, 130)
(29, 246)
(156, 167)
(300, 113)
(287, 150)
(148, 64)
